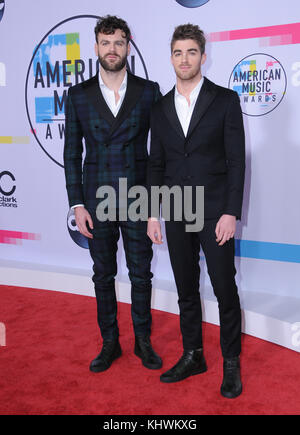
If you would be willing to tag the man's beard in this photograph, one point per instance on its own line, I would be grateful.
(115, 67)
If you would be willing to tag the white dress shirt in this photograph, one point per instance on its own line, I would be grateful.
(109, 95)
(183, 109)
(110, 99)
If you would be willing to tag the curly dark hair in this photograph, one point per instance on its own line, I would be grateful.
(189, 31)
(109, 24)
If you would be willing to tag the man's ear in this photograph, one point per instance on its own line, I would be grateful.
(171, 59)
(96, 49)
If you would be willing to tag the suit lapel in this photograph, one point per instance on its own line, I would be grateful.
(170, 112)
(94, 93)
(134, 91)
(206, 96)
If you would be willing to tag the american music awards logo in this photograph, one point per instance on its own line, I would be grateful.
(260, 81)
(64, 57)
(192, 3)
(2, 7)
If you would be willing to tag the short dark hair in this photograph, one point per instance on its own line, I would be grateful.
(109, 24)
(189, 31)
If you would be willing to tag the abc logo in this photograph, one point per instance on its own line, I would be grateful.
(76, 236)
(192, 3)
(7, 188)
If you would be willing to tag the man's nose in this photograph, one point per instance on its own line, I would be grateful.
(184, 57)
(112, 47)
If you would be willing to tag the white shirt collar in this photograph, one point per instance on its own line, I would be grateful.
(123, 84)
(195, 92)
(185, 110)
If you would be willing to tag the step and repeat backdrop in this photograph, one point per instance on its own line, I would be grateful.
(45, 47)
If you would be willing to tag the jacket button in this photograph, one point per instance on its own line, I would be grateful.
(105, 144)
(186, 154)
(127, 165)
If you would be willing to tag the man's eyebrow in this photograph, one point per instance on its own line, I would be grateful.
(107, 40)
(180, 51)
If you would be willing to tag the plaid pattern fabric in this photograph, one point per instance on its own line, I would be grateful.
(138, 250)
(114, 148)
(118, 147)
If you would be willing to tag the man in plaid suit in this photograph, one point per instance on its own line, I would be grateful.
(111, 113)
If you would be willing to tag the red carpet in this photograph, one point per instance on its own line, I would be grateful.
(51, 338)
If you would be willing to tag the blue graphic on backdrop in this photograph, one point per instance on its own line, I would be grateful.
(192, 3)
(2, 7)
(238, 70)
(46, 108)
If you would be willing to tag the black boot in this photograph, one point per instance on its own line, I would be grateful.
(111, 350)
(191, 363)
(143, 350)
(232, 385)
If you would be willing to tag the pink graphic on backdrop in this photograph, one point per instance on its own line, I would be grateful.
(284, 34)
(16, 237)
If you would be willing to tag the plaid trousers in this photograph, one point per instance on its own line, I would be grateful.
(138, 252)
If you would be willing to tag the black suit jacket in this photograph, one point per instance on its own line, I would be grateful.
(211, 155)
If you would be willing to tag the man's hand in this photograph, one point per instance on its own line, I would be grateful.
(154, 231)
(225, 228)
(82, 216)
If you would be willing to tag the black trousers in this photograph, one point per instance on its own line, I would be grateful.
(184, 251)
(138, 251)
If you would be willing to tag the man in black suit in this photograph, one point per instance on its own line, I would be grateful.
(111, 112)
(198, 139)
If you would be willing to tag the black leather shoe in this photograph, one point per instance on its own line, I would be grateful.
(143, 350)
(191, 363)
(232, 385)
(111, 350)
